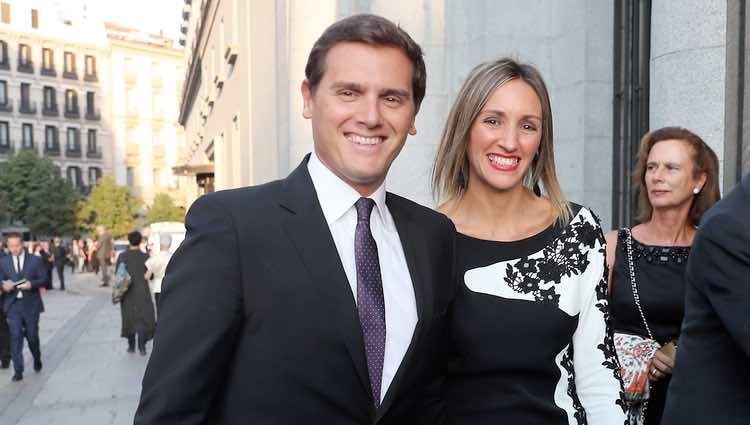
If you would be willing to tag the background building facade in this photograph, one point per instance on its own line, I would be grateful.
(613, 69)
(53, 79)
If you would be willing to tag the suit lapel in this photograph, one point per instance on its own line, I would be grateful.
(408, 235)
(306, 228)
(25, 265)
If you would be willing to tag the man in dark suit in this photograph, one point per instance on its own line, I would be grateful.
(22, 303)
(711, 378)
(4, 331)
(59, 257)
(319, 298)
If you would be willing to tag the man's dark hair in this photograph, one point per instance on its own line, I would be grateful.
(370, 29)
(135, 238)
(13, 235)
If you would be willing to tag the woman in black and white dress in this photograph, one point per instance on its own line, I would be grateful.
(528, 339)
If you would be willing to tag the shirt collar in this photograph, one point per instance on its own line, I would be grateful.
(335, 196)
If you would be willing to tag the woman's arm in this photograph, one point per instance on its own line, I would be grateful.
(597, 370)
(611, 239)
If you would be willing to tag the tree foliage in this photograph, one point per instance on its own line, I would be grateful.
(164, 209)
(111, 205)
(33, 192)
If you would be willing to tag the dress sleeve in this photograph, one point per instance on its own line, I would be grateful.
(597, 371)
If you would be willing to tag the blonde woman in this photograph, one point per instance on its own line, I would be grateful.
(528, 335)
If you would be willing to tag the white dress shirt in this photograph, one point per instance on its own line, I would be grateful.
(18, 266)
(337, 202)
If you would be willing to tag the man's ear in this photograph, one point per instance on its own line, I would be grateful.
(413, 129)
(307, 105)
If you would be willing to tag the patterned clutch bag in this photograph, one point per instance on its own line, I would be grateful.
(634, 353)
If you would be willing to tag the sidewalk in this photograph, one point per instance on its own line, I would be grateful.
(88, 378)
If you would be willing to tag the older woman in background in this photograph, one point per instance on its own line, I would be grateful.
(677, 179)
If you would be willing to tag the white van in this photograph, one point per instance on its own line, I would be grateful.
(175, 229)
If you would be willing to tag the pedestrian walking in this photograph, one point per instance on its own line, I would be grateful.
(22, 275)
(104, 252)
(137, 310)
(59, 257)
(156, 267)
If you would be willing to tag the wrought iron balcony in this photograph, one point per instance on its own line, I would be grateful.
(93, 115)
(7, 148)
(51, 110)
(26, 67)
(27, 107)
(94, 154)
(74, 152)
(5, 64)
(70, 75)
(72, 113)
(48, 72)
(26, 146)
(91, 78)
(7, 106)
(53, 150)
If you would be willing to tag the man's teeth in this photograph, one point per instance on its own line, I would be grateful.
(503, 161)
(361, 140)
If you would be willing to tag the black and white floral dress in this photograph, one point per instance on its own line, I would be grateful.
(529, 340)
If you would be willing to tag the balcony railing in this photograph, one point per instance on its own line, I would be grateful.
(94, 153)
(26, 67)
(27, 107)
(7, 148)
(26, 146)
(70, 75)
(91, 78)
(93, 115)
(53, 150)
(74, 152)
(7, 106)
(72, 113)
(5, 64)
(51, 110)
(49, 72)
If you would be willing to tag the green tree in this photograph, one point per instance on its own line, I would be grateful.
(111, 205)
(33, 192)
(163, 209)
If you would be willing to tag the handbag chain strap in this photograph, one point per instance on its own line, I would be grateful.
(636, 297)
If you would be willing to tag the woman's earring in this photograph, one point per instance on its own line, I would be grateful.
(696, 190)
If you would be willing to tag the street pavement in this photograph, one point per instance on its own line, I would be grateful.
(88, 378)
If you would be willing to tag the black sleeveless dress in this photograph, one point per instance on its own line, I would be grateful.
(660, 278)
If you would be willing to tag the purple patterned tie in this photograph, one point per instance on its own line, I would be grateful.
(370, 301)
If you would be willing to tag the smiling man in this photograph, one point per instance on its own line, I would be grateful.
(320, 298)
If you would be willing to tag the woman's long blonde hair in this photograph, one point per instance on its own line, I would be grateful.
(450, 172)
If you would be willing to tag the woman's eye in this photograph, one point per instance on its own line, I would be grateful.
(492, 121)
(528, 127)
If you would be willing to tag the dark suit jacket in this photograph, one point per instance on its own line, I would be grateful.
(711, 378)
(35, 272)
(258, 324)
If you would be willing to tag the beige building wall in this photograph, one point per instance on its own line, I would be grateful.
(146, 78)
(80, 160)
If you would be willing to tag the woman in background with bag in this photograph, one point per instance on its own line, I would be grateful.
(677, 179)
(136, 307)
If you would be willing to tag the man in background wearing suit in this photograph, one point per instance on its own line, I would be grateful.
(22, 303)
(4, 331)
(711, 378)
(319, 298)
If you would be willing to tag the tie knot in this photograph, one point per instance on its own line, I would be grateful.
(364, 208)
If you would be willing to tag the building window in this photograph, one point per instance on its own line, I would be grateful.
(4, 134)
(49, 98)
(4, 55)
(90, 66)
(91, 142)
(50, 138)
(34, 18)
(5, 12)
(90, 106)
(24, 59)
(129, 177)
(48, 59)
(73, 144)
(74, 177)
(3, 92)
(27, 132)
(26, 107)
(70, 65)
(95, 173)
(71, 101)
